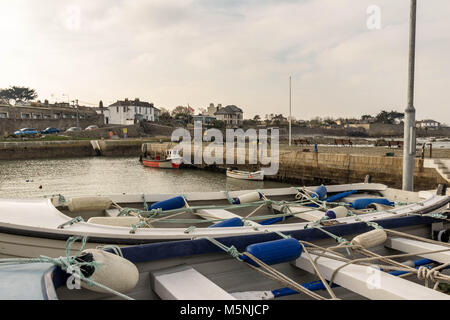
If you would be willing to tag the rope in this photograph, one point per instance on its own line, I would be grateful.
(145, 202)
(71, 222)
(68, 264)
(116, 249)
(230, 200)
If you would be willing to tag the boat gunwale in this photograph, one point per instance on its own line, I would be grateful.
(156, 234)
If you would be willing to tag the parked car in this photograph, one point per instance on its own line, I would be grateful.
(26, 132)
(74, 129)
(50, 130)
(92, 127)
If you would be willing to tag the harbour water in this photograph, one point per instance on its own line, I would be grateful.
(101, 175)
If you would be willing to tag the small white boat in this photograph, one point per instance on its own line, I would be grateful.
(245, 175)
(390, 259)
(33, 227)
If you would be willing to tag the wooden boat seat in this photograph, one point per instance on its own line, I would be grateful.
(114, 221)
(369, 282)
(185, 283)
(414, 246)
(221, 214)
(112, 212)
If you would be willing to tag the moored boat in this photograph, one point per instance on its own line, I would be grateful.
(172, 160)
(29, 228)
(391, 259)
(245, 175)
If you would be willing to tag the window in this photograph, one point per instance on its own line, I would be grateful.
(37, 116)
(124, 109)
(26, 116)
(56, 115)
(117, 109)
(3, 115)
(47, 116)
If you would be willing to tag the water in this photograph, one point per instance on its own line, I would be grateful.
(98, 175)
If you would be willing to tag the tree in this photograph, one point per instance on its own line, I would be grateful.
(218, 124)
(165, 117)
(389, 117)
(257, 118)
(18, 94)
(181, 110)
(100, 104)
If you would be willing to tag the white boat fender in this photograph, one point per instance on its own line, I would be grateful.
(114, 272)
(248, 197)
(370, 239)
(337, 212)
(79, 204)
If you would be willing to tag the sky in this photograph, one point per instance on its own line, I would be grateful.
(345, 58)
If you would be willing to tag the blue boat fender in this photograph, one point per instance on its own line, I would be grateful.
(273, 252)
(337, 212)
(364, 202)
(320, 192)
(233, 222)
(340, 195)
(169, 204)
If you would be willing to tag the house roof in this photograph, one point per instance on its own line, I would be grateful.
(231, 109)
(135, 102)
(428, 121)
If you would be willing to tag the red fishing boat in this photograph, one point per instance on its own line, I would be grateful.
(172, 160)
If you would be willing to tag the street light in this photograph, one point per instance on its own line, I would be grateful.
(409, 136)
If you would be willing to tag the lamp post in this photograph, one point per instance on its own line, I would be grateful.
(409, 136)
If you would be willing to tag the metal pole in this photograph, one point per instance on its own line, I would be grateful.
(409, 150)
(78, 119)
(290, 113)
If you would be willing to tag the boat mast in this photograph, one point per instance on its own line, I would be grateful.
(290, 114)
(409, 136)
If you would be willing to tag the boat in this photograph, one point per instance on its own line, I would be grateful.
(245, 175)
(171, 160)
(400, 258)
(33, 227)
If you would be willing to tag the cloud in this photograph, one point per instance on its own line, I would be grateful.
(230, 52)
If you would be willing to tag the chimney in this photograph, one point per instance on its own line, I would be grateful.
(136, 99)
(126, 99)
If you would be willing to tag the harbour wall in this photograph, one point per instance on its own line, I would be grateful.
(70, 149)
(306, 168)
(295, 166)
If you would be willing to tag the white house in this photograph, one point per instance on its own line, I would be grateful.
(130, 111)
(428, 124)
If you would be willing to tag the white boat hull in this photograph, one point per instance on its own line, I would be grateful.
(236, 174)
(30, 227)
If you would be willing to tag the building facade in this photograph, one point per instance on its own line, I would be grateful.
(231, 115)
(42, 115)
(131, 111)
(428, 124)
